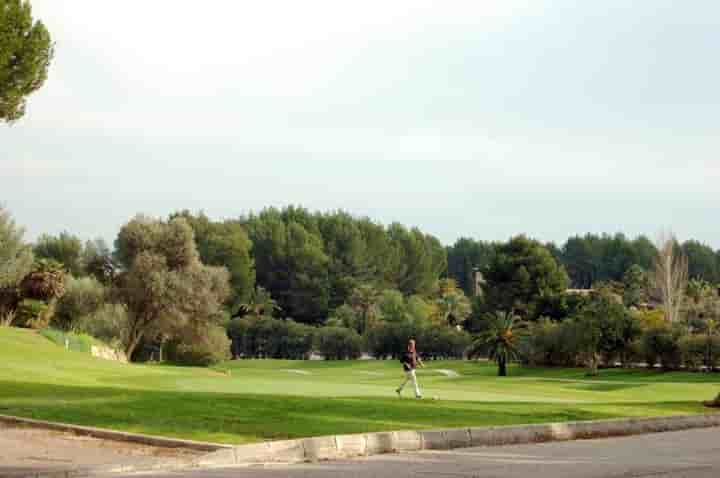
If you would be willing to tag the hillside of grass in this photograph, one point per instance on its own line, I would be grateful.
(248, 401)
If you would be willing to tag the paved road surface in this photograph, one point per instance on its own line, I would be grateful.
(24, 451)
(686, 454)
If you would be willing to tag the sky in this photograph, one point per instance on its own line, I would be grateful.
(480, 119)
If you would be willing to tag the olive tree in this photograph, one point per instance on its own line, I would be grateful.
(165, 287)
(16, 261)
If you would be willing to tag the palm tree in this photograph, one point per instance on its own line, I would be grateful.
(453, 307)
(260, 304)
(499, 340)
(46, 282)
(698, 290)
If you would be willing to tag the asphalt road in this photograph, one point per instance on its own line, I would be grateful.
(686, 454)
(29, 451)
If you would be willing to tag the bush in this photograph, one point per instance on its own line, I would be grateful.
(661, 344)
(82, 297)
(338, 343)
(389, 340)
(442, 342)
(550, 343)
(436, 341)
(266, 337)
(699, 350)
(109, 323)
(210, 348)
(34, 314)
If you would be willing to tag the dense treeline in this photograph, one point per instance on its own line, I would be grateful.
(286, 282)
(311, 262)
(588, 259)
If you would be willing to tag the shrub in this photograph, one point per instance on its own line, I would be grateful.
(210, 348)
(541, 346)
(436, 341)
(442, 342)
(266, 337)
(338, 343)
(82, 297)
(34, 314)
(109, 323)
(549, 343)
(660, 344)
(699, 350)
(389, 340)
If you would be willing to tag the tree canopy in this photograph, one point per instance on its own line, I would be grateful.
(65, 248)
(164, 285)
(26, 51)
(521, 274)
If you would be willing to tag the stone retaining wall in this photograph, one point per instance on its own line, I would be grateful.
(108, 354)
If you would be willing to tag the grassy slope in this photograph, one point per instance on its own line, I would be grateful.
(260, 400)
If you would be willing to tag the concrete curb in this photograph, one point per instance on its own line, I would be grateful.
(348, 446)
(114, 435)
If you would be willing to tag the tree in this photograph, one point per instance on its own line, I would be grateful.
(290, 262)
(522, 273)
(600, 258)
(39, 291)
(500, 340)
(670, 276)
(364, 300)
(634, 286)
(711, 330)
(346, 316)
(391, 306)
(16, 261)
(452, 305)
(65, 249)
(83, 297)
(166, 289)
(260, 304)
(350, 263)
(604, 326)
(702, 262)
(97, 261)
(26, 51)
(225, 244)
(46, 281)
(464, 258)
(421, 260)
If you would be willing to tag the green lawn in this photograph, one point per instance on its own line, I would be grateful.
(248, 401)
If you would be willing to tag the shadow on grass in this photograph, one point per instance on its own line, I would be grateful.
(604, 387)
(243, 418)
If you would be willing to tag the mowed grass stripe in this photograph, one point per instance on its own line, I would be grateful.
(248, 401)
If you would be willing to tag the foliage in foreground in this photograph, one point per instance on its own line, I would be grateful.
(26, 51)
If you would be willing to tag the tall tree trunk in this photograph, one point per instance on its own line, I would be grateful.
(502, 367)
(670, 276)
(593, 365)
(132, 344)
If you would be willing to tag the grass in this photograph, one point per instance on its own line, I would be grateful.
(75, 342)
(248, 401)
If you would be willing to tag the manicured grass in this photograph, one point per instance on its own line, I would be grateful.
(248, 401)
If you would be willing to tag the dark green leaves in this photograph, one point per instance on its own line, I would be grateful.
(26, 51)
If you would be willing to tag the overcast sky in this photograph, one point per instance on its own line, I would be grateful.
(466, 118)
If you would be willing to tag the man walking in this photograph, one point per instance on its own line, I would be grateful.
(410, 360)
